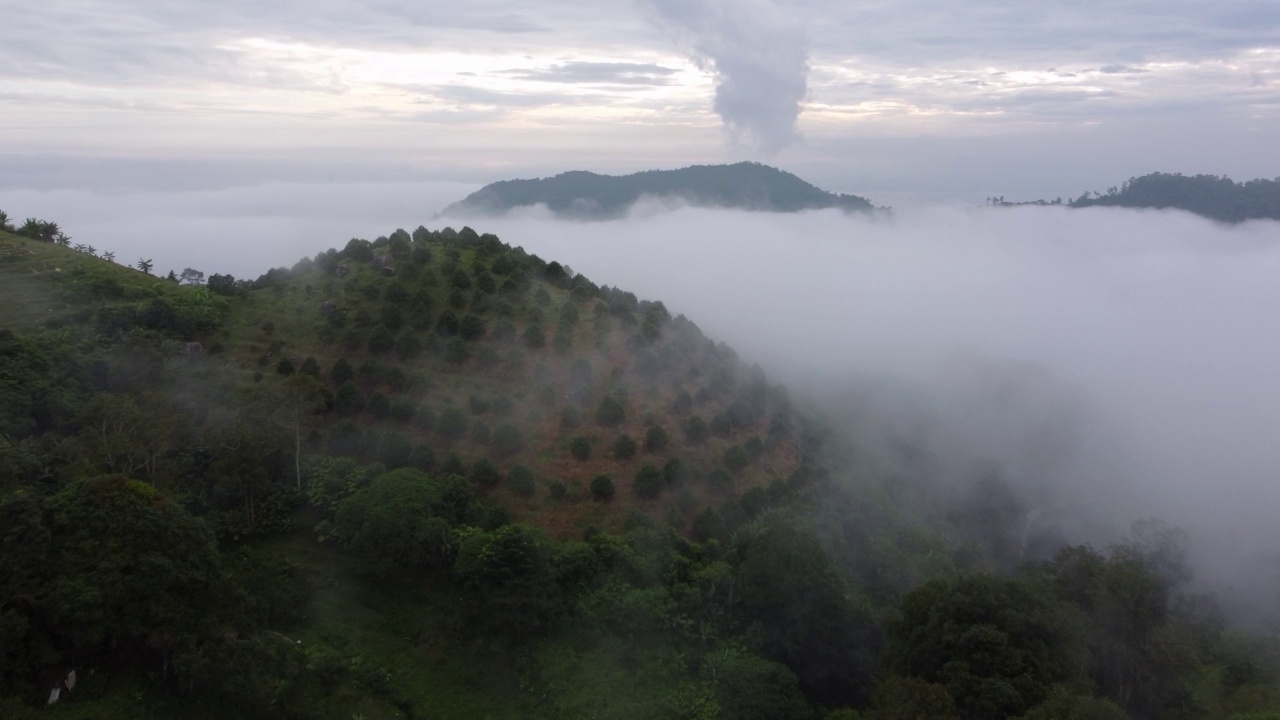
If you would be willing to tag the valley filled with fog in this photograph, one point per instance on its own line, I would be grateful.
(1119, 363)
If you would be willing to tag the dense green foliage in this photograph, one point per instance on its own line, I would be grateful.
(745, 185)
(276, 522)
(1214, 197)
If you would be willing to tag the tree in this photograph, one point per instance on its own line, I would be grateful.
(507, 578)
(131, 570)
(396, 524)
(997, 645)
(222, 284)
(302, 396)
(4, 222)
(145, 266)
(805, 615)
(749, 687)
(191, 276)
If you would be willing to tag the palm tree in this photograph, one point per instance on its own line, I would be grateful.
(80, 247)
(62, 239)
(145, 266)
(109, 256)
(4, 221)
(48, 230)
(91, 250)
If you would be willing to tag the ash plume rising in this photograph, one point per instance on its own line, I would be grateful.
(759, 57)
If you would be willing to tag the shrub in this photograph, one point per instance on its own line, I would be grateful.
(348, 399)
(506, 440)
(682, 404)
(456, 352)
(721, 426)
(522, 482)
(407, 345)
(379, 405)
(602, 488)
(403, 409)
(381, 340)
(452, 423)
(480, 432)
(556, 490)
(471, 327)
(534, 337)
(580, 448)
(696, 430)
(648, 482)
(656, 439)
(735, 459)
(610, 412)
(484, 473)
(624, 448)
(720, 480)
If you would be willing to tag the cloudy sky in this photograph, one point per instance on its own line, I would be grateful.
(936, 99)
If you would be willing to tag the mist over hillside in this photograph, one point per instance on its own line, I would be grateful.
(1117, 361)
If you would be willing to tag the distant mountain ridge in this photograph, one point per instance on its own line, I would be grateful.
(590, 196)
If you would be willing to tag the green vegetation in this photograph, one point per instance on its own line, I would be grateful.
(1214, 197)
(745, 185)
(214, 506)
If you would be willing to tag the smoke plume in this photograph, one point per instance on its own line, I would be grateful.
(760, 59)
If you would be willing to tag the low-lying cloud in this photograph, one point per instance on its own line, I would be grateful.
(1122, 361)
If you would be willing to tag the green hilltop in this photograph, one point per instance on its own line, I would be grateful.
(1210, 196)
(434, 475)
(586, 195)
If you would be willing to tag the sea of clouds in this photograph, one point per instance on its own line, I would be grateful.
(1130, 357)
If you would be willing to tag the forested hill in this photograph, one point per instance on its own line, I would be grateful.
(1214, 197)
(586, 195)
(434, 475)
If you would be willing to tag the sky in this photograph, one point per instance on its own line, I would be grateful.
(1091, 349)
(904, 101)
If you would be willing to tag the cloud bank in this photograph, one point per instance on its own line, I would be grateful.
(1118, 362)
(1123, 359)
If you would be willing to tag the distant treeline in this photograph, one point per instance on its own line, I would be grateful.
(1219, 198)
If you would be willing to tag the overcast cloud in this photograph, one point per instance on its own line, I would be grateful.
(534, 87)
